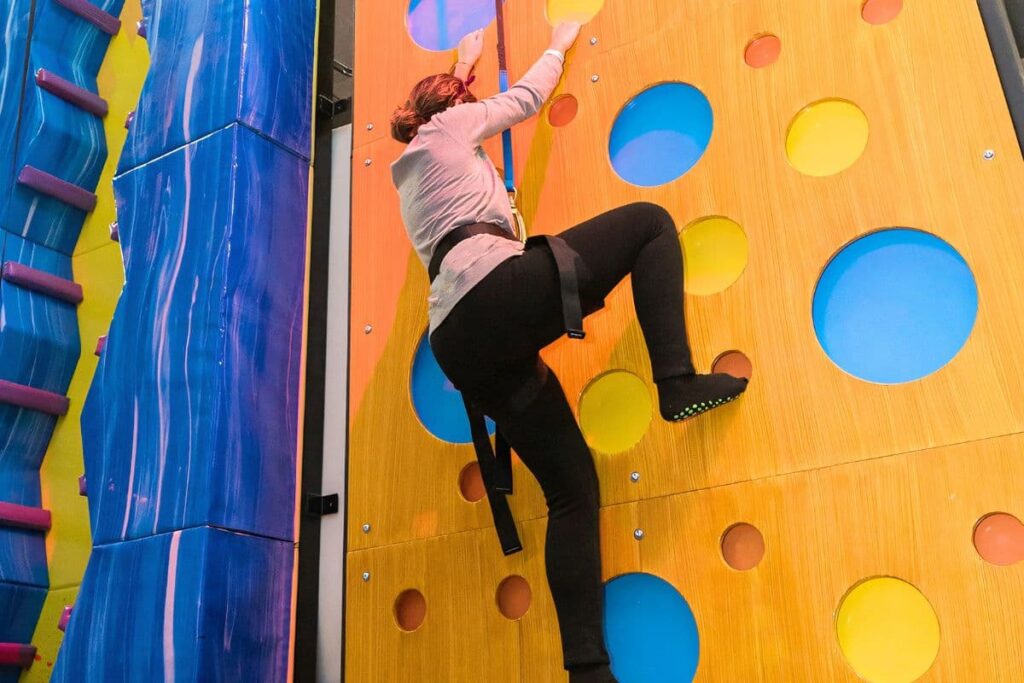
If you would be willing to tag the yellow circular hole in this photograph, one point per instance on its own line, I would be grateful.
(888, 631)
(573, 10)
(714, 255)
(615, 411)
(827, 137)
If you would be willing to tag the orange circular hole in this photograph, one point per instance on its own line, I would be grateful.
(742, 547)
(514, 597)
(471, 483)
(410, 609)
(763, 51)
(734, 363)
(881, 11)
(999, 539)
(563, 110)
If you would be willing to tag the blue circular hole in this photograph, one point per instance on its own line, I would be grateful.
(650, 631)
(895, 306)
(661, 134)
(440, 24)
(437, 402)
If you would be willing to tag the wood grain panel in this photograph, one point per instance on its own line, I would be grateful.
(908, 516)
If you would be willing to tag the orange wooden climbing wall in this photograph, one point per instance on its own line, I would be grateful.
(846, 480)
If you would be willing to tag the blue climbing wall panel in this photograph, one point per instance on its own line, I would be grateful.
(201, 367)
(215, 63)
(57, 135)
(190, 428)
(196, 605)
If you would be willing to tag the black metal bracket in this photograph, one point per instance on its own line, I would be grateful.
(320, 506)
(330, 107)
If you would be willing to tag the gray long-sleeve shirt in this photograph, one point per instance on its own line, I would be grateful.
(445, 180)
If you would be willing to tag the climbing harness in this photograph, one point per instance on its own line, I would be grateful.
(496, 463)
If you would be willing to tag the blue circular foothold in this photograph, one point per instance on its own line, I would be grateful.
(895, 306)
(439, 25)
(650, 631)
(437, 402)
(661, 134)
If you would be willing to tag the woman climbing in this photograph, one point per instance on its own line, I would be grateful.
(495, 303)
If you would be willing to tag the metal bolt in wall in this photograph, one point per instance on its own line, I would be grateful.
(638, 534)
(366, 528)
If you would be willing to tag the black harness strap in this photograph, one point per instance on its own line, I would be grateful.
(496, 463)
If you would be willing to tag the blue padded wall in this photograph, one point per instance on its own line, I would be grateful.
(20, 606)
(55, 136)
(39, 339)
(14, 34)
(190, 427)
(192, 605)
(215, 63)
(201, 370)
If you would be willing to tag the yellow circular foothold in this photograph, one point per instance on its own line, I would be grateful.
(573, 10)
(714, 255)
(888, 631)
(827, 137)
(615, 411)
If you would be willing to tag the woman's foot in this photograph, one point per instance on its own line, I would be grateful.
(600, 673)
(686, 396)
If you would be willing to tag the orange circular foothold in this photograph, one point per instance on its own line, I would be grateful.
(999, 539)
(881, 11)
(742, 547)
(514, 597)
(410, 609)
(471, 483)
(563, 110)
(763, 51)
(734, 363)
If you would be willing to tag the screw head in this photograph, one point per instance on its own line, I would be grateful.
(367, 162)
(366, 576)
(369, 126)
(638, 534)
(634, 477)
(366, 528)
(990, 154)
(595, 78)
(368, 329)
(593, 41)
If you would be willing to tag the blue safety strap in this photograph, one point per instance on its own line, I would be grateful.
(506, 136)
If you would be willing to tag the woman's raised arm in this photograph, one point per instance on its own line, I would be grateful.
(475, 122)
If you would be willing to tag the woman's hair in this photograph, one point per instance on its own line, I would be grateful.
(430, 96)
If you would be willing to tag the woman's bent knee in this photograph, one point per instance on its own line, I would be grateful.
(653, 217)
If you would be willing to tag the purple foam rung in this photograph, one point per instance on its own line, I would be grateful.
(101, 343)
(42, 282)
(104, 21)
(16, 654)
(65, 617)
(71, 93)
(115, 234)
(24, 517)
(83, 487)
(61, 190)
(32, 398)
(141, 28)
(129, 120)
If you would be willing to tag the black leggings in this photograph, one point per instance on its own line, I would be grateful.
(488, 347)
